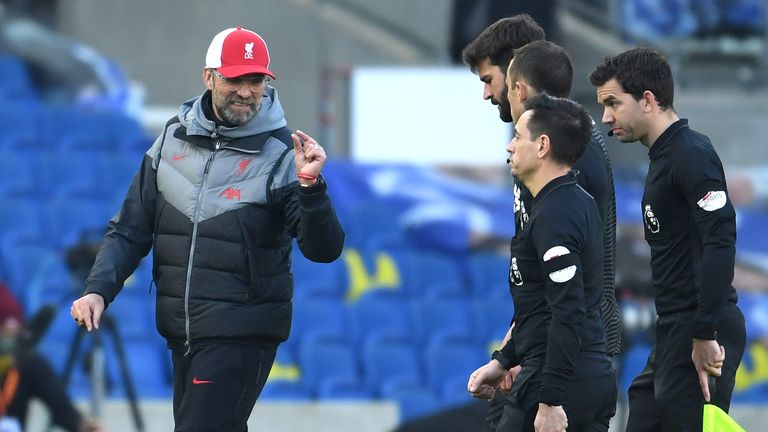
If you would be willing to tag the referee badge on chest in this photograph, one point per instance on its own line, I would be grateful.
(514, 272)
(650, 219)
(521, 215)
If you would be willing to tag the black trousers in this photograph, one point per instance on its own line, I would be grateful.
(216, 385)
(590, 398)
(666, 396)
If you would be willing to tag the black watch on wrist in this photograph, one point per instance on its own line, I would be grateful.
(501, 358)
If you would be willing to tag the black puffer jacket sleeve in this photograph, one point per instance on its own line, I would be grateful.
(308, 214)
(129, 235)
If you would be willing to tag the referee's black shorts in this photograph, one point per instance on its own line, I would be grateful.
(666, 396)
(590, 398)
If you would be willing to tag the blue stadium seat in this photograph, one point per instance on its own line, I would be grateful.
(285, 390)
(313, 279)
(343, 387)
(454, 391)
(69, 214)
(23, 214)
(23, 115)
(414, 400)
(76, 127)
(372, 272)
(488, 275)
(443, 317)
(375, 225)
(26, 263)
(149, 365)
(18, 173)
(465, 358)
(746, 16)
(317, 315)
(377, 313)
(133, 313)
(285, 379)
(85, 169)
(754, 305)
(438, 272)
(752, 230)
(321, 359)
(632, 363)
(52, 283)
(425, 273)
(491, 318)
(384, 361)
(16, 85)
(121, 166)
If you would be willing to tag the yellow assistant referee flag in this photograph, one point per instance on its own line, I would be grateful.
(717, 420)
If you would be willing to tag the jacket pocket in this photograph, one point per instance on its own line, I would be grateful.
(270, 289)
(253, 275)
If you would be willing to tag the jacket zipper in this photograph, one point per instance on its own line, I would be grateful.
(188, 342)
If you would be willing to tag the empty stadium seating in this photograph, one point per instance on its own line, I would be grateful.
(391, 319)
(16, 84)
(383, 361)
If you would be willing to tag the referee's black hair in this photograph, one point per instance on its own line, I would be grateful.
(564, 121)
(638, 70)
(545, 66)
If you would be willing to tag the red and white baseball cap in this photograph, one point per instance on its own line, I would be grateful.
(237, 51)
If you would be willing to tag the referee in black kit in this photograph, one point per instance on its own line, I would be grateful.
(550, 68)
(556, 277)
(691, 229)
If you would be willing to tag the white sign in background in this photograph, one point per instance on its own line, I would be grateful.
(425, 116)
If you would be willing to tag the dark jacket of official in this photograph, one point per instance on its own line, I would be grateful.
(220, 205)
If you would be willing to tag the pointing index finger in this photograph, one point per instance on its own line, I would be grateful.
(297, 144)
(303, 136)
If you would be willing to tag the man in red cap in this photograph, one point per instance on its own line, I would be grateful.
(219, 196)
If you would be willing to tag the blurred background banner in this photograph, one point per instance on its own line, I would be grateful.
(412, 125)
(416, 170)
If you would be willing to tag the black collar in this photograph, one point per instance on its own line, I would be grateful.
(663, 139)
(563, 180)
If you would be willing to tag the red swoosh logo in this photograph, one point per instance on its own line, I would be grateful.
(179, 157)
(197, 381)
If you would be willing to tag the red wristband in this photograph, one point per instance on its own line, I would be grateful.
(306, 176)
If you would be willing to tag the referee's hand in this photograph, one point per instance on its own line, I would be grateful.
(708, 357)
(483, 382)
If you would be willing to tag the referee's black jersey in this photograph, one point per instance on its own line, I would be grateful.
(555, 279)
(596, 177)
(690, 225)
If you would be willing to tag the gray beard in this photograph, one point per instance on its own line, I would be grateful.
(239, 118)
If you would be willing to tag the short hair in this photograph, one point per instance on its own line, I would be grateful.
(545, 66)
(498, 41)
(638, 70)
(567, 124)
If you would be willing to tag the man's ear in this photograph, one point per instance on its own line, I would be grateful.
(649, 101)
(522, 90)
(545, 146)
(208, 78)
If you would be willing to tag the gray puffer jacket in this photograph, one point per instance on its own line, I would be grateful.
(220, 206)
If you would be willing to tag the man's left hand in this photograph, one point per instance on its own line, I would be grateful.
(708, 357)
(550, 419)
(309, 157)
